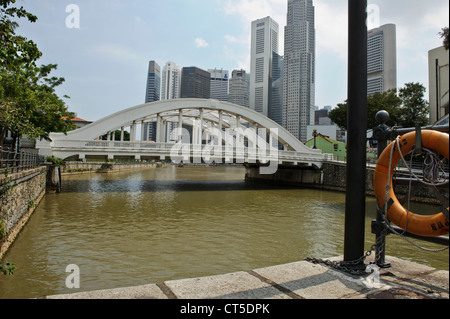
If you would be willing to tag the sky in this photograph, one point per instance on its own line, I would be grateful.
(104, 59)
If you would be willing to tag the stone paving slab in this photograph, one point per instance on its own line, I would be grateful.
(311, 281)
(139, 292)
(297, 280)
(239, 285)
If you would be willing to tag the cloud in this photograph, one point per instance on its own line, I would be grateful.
(233, 39)
(201, 43)
(251, 10)
(331, 28)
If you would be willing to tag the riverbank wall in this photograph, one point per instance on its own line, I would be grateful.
(20, 194)
(332, 176)
(75, 168)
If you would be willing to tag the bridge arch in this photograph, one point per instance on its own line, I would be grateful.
(207, 118)
(218, 112)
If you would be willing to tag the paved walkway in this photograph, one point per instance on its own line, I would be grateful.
(298, 280)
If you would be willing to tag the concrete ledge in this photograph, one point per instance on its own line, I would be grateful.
(140, 292)
(298, 280)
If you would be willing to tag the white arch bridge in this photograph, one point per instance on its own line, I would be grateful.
(188, 130)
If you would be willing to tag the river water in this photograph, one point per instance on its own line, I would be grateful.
(148, 226)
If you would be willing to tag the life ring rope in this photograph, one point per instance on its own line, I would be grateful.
(427, 226)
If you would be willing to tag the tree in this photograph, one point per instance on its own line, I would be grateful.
(444, 34)
(414, 110)
(388, 101)
(407, 109)
(28, 102)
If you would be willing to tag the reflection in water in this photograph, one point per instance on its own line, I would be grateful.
(140, 227)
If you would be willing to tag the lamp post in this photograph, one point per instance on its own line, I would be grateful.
(315, 135)
(355, 204)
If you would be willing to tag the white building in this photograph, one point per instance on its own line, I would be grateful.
(264, 41)
(438, 83)
(382, 59)
(171, 81)
(299, 68)
(219, 84)
(239, 93)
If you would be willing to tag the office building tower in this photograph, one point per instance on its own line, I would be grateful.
(438, 85)
(171, 81)
(219, 84)
(170, 89)
(299, 68)
(153, 90)
(276, 89)
(195, 83)
(152, 94)
(239, 88)
(264, 42)
(382, 59)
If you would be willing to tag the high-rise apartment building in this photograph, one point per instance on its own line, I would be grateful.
(299, 68)
(152, 94)
(171, 82)
(239, 88)
(382, 59)
(264, 42)
(219, 84)
(195, 83)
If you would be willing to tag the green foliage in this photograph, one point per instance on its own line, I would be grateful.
(408, 108)
(445, 36)
(55, 160)
(7, 269)
(28, 102)
(415, 108)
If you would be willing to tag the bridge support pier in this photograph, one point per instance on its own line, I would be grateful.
(287, 174)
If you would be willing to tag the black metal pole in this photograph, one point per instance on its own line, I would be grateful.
(356, 128)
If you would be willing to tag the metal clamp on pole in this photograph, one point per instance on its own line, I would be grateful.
(418, 148)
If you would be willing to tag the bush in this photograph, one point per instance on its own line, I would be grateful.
(55, 160)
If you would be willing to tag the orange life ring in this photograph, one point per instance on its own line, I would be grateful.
(427, 226)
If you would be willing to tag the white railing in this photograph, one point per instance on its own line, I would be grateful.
(243, 154)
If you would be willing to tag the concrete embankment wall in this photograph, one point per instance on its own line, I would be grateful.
(20, 194)
(100, 167)
(333, 176)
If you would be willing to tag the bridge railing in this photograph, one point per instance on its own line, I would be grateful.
(240, 152)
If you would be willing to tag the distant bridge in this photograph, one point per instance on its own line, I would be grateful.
(188, 130)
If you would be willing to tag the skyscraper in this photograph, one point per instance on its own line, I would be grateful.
(195, 83)
(152, 94)
(219, 84)
(171, 81)
(299, 68)
(276, 89)
(264, 43)
(382, 59)
(239, 88)
(153, 90)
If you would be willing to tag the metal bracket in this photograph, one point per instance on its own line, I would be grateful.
(418, 148)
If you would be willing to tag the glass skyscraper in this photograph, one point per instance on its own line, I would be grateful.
(152, 94)
(299, 68)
